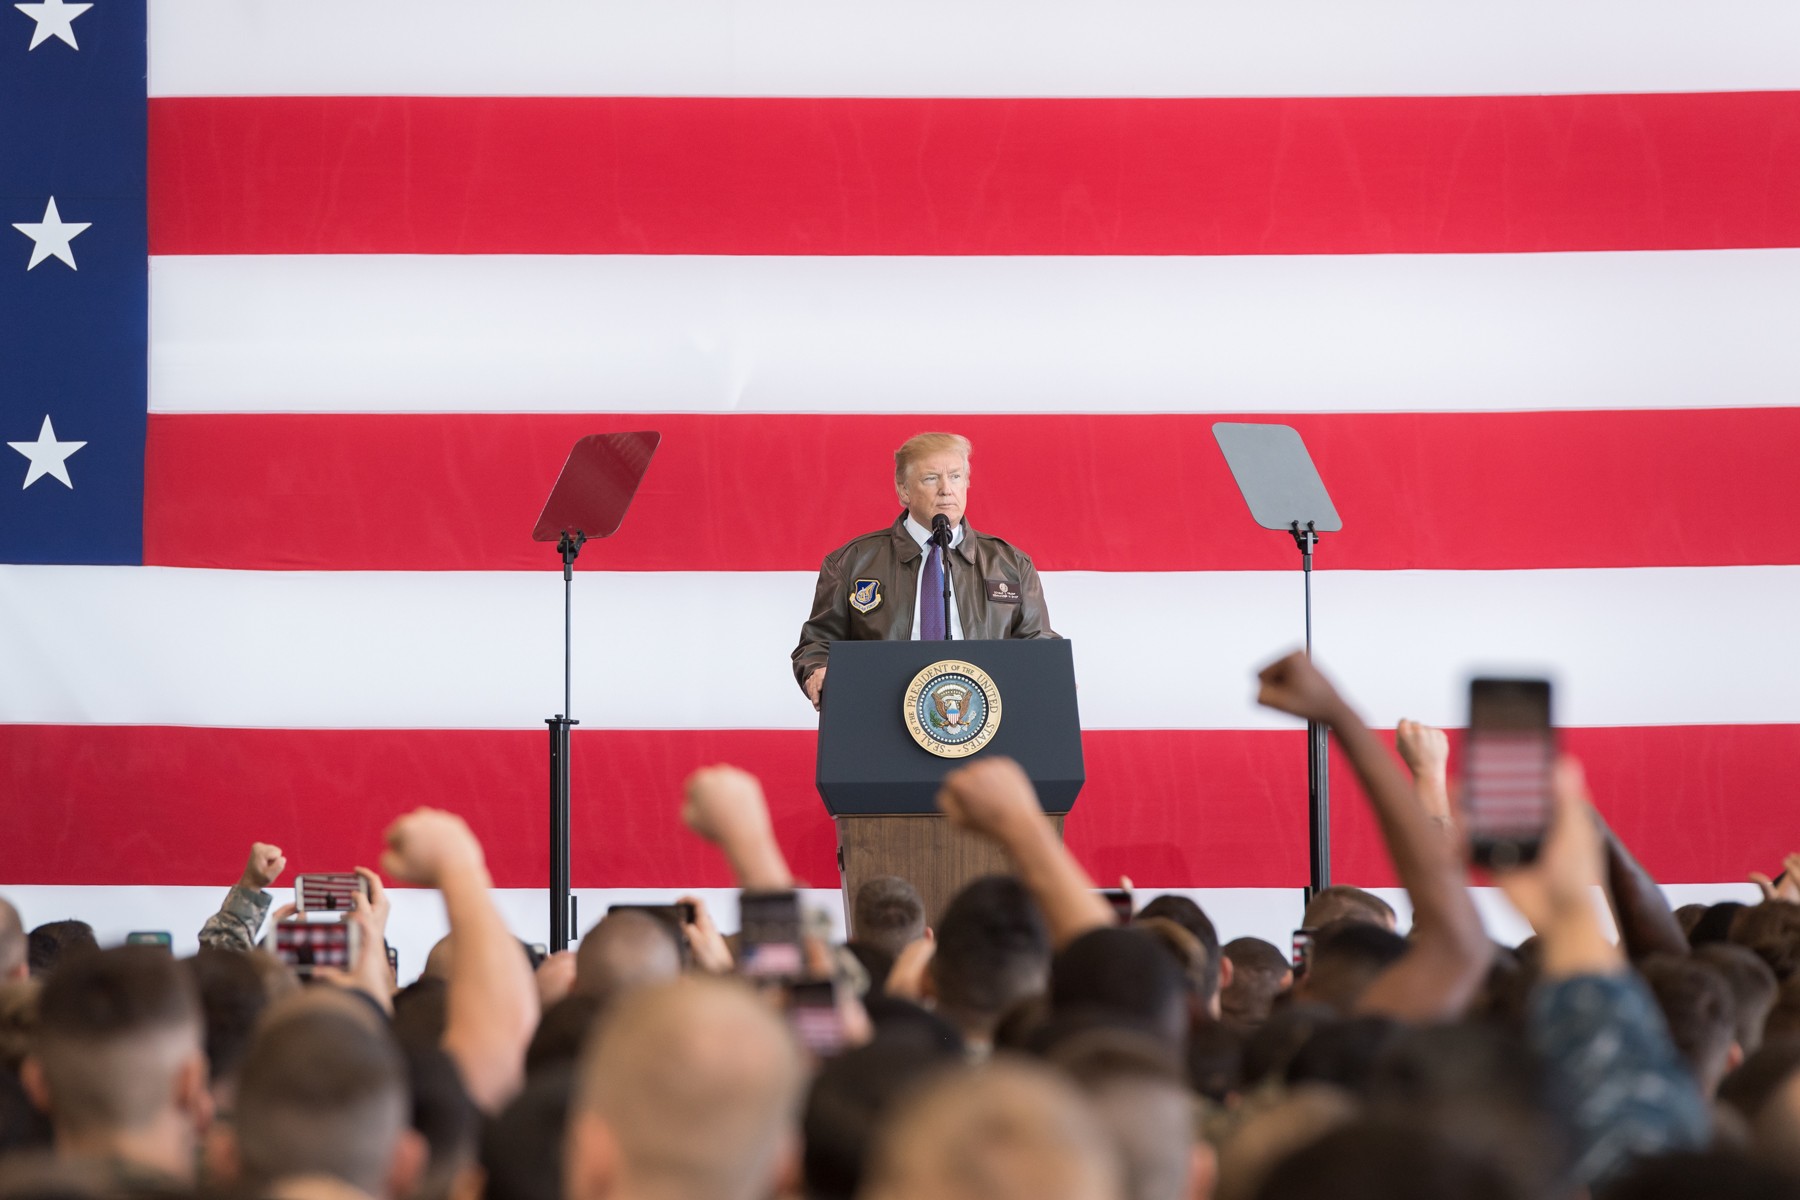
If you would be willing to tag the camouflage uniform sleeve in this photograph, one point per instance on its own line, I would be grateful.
(238, 921)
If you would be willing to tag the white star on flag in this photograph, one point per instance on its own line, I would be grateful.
(54, 20)
(48, 456)
(51, 236)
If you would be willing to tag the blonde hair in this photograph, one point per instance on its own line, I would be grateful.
(923, 445)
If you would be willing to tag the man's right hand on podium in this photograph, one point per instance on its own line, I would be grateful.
(815, 687)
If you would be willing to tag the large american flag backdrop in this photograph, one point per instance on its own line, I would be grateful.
(298, 333)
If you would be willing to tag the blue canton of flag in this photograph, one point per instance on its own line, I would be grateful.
(74, 281)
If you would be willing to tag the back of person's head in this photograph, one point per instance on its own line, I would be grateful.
(1688, 916)
(1384, 1160)
(1784, 1015)
(1123, 974)
(118, 1045)
(902, 1022)
(1215, 1059)
(624, 951)
(887, 914)
(1269, 1050)
(323, 1093)
(688, 1088)
(993, 951)
(232, 997)
(1008, 1130)
(1341, 902)
(1747, 1089)
(1190, 916)
(1259, 973)
(876, 963)
(442, 1113)
(522, 1148)
(1344, 1053)
(849, 1101)
(1272, 1129)
(18, 1019)
(422, 1011)
(1483, 1088)
(1715, 923)
(1714, 1174)
(1347, 956)
(1700, 1012)
(1752, 987)
(14, 950)
(1143, 1104)
(1772, 930)
(562, 1031)
(49, 944)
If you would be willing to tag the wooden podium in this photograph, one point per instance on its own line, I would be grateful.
(880, 785)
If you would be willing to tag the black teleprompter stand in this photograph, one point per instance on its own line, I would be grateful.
(589, 501)
(1283, 491)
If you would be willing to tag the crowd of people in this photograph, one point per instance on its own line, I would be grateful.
(1028, 1042)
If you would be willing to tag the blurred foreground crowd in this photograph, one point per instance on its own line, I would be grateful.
(1030, 1043)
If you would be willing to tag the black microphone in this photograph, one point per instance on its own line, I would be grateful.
(940, 530)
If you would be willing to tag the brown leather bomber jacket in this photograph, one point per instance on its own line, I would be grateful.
(869, 586)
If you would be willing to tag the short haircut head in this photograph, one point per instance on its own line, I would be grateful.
(1715, 923)
(443, 1114)
(232, 997)
(1752, 987)
(1008, 1130)
(1772, 930)
(850, 1101)
(1700, 1012)
(1344, 1053)
(49, 944)
(1386, 1160)
(115, 1030)
(1346, 958)
(1124, 974)
(1143, 1103)
(993, 950)
(924, 445)
(698, 1083)
(321, 1093)
(1191, 917)
(1269, 1133)
(12, 940)
(521, 1149)
(1259, 973)
(888, 914)
(1342, 902)
(625, 951)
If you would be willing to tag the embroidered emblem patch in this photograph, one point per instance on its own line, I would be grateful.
(1003, 591)
(865, 595)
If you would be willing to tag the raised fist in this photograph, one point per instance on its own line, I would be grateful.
(1293, 685)
(725, 805)
(427, 844)
(1424, 749)
(265, 866)
(992, 797)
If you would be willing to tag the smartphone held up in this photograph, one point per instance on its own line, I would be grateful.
(1508, 760)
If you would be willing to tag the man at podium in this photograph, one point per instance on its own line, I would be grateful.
(889, 585)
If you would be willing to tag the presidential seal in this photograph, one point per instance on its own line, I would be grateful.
(952, 708)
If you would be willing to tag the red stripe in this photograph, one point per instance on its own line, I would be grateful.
(1082, 492)
(468, 175)
(158, 805)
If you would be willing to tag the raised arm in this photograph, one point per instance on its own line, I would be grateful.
(1425, 750)
(1647, 924)
(725, 805)
(994, 798)
(1448, 954)
(240, 917)
(492, 1000)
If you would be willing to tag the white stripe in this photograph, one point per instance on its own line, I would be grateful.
(368, 333)
(417, 921)
(130, 645)
(952, 48)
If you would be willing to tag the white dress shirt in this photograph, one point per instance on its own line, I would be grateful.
(922, 535)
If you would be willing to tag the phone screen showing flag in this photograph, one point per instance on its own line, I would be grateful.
(1506, 767)
(327, 892)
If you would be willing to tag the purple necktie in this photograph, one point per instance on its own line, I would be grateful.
(931, 595)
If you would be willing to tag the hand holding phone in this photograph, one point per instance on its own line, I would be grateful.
(770, 946)
(304, 944)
